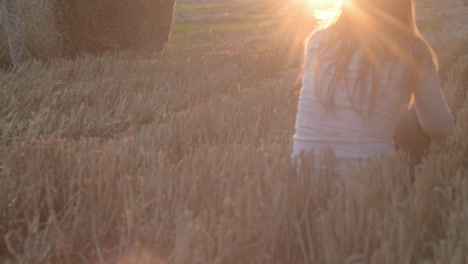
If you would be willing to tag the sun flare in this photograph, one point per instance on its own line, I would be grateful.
(325, 2)
(324, 9)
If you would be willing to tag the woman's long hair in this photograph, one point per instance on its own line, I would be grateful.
(386, 33)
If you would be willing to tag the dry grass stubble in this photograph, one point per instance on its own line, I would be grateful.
(184, 160)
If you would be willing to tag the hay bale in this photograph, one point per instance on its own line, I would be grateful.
(28, 29)
(51, 28)
(97, 26)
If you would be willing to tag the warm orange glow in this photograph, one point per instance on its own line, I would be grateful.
(324, 9)
(325, 2)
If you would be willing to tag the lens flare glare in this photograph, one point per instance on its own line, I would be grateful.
(324, 9)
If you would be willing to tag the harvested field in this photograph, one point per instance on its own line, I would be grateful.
(183, 157)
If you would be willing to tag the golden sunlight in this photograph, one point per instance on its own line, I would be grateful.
(325, 3)
(324, 9)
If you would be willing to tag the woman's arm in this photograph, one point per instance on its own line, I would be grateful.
(433, 112)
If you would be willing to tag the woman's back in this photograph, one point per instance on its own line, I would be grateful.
(349, 130)
(346, 131)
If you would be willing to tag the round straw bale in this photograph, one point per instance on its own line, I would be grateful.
(51, 28)
(97, 26)
(28, 29)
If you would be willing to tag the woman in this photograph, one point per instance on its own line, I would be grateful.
(362, 73)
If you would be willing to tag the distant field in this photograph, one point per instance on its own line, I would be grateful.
(217, 8)
(179, 29)
(190, 18)
(183, 156)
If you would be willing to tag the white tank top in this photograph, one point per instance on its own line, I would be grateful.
(351, 137)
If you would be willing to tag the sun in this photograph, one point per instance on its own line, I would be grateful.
(324, 9)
